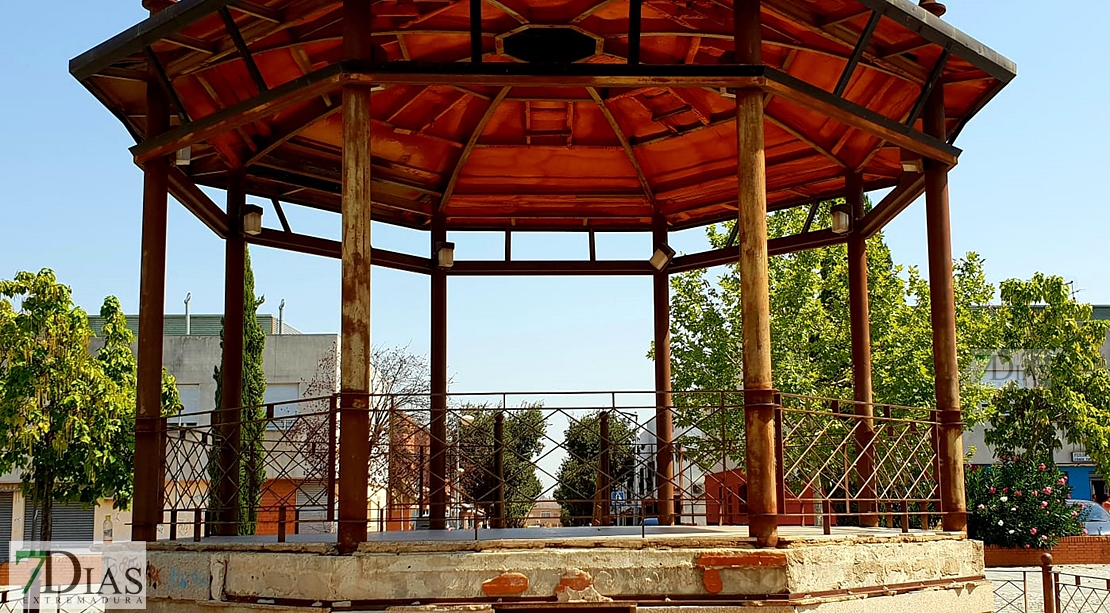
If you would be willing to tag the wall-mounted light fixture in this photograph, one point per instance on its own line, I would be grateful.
(662, 256)
(184, 156)
(445, 254)
(841, 219)
(252, 219)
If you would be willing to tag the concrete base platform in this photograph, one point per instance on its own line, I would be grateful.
(697, 570)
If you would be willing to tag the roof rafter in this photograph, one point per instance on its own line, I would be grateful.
(625, 144)
(464, 155)
(822, 149)
(291, 128)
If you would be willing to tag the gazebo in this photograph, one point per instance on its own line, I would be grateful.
(518, 116)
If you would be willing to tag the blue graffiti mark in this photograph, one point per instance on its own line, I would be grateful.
(183, 580)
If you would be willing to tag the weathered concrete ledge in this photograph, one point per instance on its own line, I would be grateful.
(702, 574)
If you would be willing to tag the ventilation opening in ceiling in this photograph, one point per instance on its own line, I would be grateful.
(550, 45)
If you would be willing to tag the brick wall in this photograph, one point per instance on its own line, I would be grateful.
(1070, 550)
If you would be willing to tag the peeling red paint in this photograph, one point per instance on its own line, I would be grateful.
(711, 580)
(577, 582)
(745, 560)
(506, 584)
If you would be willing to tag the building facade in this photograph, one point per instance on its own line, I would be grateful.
(296, 366)
(1085, 481)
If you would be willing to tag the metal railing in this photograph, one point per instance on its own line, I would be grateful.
(1047, 590)
(565, 458)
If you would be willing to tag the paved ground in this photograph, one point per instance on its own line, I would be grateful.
(1092, 598)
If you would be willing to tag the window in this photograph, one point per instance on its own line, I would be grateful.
(545, 514)
(283, 393)
(190, 406)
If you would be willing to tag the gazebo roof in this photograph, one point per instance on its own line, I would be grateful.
(545, 145)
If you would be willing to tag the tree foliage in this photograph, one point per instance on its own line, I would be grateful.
(1053, 342)
(252, 460)
(810, 323)
(66, 415)
(579, 471)
(524, 430)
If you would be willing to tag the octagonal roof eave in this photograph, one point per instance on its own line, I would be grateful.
(629, 207)
(184, 12)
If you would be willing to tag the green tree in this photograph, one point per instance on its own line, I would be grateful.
(1055, 343)
(118, 363)
(252, 433)
(577, 480)
(66, 416)
(524, 430)
(810, 324)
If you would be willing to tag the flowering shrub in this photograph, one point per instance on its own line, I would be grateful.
(1020, 503)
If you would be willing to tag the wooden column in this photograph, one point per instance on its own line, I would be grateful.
(354, 370)
(759, 409)
(149, 430)
(943, 305)
(664, 425)
(437, 473)
(231, 364)
(860, 314)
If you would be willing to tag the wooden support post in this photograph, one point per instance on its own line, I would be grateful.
(150, 436)
(759, 408)
(231, 365)
(860, 315)
(354, 375)
(499, 470)
(437, 482)
(664, 425)
(942, 301)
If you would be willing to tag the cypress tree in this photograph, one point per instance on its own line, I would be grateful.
(252, 469)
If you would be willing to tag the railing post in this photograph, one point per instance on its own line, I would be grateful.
(197, 524)
(499, 470)
(1048, 586)
(604, 470)
(332, 468)
(281, 524)
(780, 468)
(173, 524)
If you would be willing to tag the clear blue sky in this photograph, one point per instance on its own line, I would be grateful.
(1027, 195)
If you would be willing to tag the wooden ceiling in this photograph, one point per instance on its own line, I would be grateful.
(259, 84)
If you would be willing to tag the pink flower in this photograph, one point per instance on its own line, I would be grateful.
(992, 490)
(1073, 513)
(1044, 504)
(1042, 467)
(1084, 532)
(1005, 490)
(1032, 531)
(1017, 493)
(1027, 546)
(983, 506)
(1047, 491)
(1061, 481)
(1044, 537)
(1036, 493)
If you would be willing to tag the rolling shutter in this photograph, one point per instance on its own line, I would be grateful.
(312, 500)
(71, 522)
(5, 524)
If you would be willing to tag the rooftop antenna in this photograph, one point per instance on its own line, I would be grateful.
(281, 317)
(188, 297)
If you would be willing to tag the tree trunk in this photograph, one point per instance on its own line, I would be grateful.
(46, 507)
